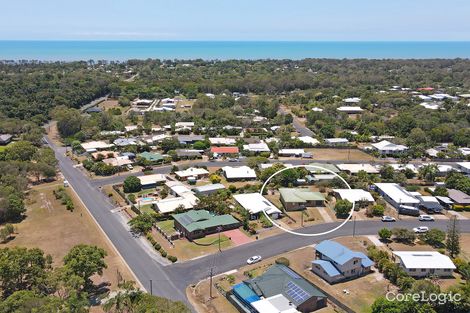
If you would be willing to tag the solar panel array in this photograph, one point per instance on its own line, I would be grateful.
(297, 294)
(290, 272)
(186, 220)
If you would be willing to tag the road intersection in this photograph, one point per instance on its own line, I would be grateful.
(171, 281)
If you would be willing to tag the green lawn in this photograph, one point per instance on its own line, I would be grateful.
(2, 148)
(167, 226)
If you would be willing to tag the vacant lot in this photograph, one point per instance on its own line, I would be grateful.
(109, 104)
(50, 227)
(329, 154)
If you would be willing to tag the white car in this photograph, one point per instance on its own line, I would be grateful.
(387, 218)
(421, 229)
(426, 218)
(254, 259)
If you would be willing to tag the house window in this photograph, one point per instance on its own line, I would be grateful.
(447, 270)
(423, 270)
(353, 271)
(412, 270)
(355, 261)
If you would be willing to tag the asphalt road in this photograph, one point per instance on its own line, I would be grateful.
(299, 127)
(170, 281)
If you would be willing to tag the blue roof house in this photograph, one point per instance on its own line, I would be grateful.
(335, 262)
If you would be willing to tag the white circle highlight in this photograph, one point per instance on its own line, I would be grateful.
(301, 234)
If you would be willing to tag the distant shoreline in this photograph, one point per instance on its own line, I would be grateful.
(74, 50)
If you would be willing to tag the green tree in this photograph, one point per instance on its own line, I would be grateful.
(20, 151)
(85, 261)
(453, 237)
(343, 207)
(404, 235)
(132, 184)
(385, 234)
(22, 269)
(428, 172)
(435, 237)
(142, 223)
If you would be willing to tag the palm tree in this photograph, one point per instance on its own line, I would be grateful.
(429, 172)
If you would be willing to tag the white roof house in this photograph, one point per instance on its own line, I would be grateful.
(239, 172)
(183, 196)
(291, 152)
(354, 195)
(464, 167)
(264, 166)
(424, 263)
(402, 167)
(256, 203)
(152, 179)
(316, 109)
(387, 147)
(465, 151)
(222, 141)
(96, 145)
(257, 147)
(275, 304)
(430, 106)
(352, 100)
(350, 109)
(184, 125)
(191, 172)
(308, 140)
(355, 168)
(397, 194)
(336, 141)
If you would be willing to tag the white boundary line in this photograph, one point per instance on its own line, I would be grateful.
(109, 241)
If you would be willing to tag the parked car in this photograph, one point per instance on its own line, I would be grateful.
(426, 218)
(254, 259)
(387, 218)
(130, 167)
(147, 169)
(233, 160)
(421, 229)
(66, 183)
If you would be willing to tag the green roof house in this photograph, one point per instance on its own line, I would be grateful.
(199, 223)
(300, 198)
(152, 157)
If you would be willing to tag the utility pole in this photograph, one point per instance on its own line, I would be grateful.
(151, 287)
(210, 287)
(354, 226)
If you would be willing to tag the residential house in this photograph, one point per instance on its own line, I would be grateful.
(291, 152)
(194, 172)
(209, 189)
(319, 168)
(355, 168)
(464, 167)
(424, 263)
(5, 139)
(225, 151)
(124, 142)
(257, 147)
(255, 204)
(238, 173)
(195, 224)
(151, 181)
(458, 198)
(354, 195)
(222, 141)
(118, 161)
(151, 157)
(185, 154)
(308, 140)
(279, 282)
(397, 196)
(335, 262)
(336, 141)
(300, 198)
(93, 146)
(190, 139)
(430, 204)
(350, 109)
(386, 147)
(181, 197)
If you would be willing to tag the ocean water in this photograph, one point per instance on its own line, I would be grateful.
(223, 50)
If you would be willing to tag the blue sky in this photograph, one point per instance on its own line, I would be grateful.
(235, 20)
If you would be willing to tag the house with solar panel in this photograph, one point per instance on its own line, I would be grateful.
(335, 262)
(199, 223)
(278, 289)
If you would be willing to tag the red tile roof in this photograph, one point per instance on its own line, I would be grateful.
(224, 150)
